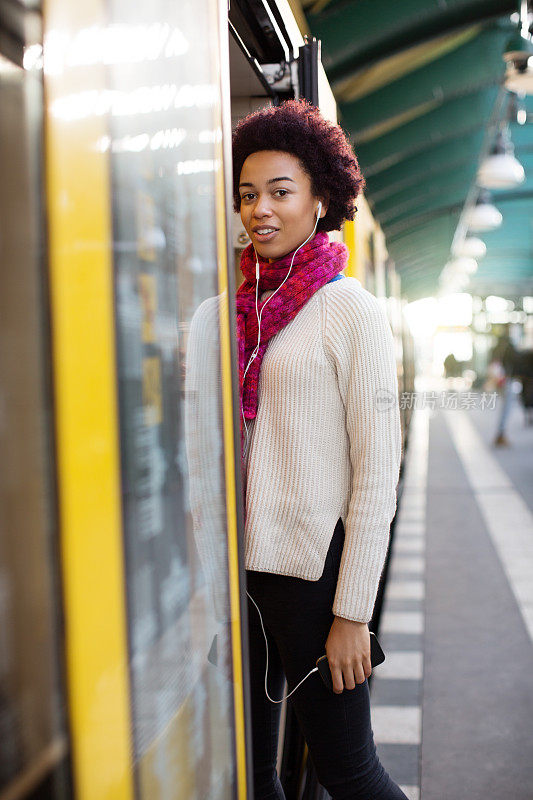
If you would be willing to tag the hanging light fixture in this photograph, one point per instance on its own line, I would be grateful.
(483, 216)
(456, 274)
(517, 108)
(519, 73)
(470, 247)
(460, 266)
(501, 170)
(453, 281)
(521, 109)
(464, 266)
(518, 56)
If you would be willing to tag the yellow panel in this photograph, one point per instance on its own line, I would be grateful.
(223, 191)
(353, 266)
(81, 288)
(231, 510)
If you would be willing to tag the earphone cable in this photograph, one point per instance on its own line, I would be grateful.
(259, 314)
(266, 669)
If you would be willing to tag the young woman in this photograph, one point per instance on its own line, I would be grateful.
(321, 447)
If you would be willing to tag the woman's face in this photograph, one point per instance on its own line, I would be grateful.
(276, 196)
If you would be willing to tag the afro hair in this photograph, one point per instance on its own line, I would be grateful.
(297, 127)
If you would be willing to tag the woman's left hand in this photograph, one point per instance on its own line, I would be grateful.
(348, 652)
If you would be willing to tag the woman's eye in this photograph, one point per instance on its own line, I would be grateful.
(251, 194)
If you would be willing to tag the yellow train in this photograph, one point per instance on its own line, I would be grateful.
(116, 223)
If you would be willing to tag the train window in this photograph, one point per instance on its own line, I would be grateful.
(165, 151)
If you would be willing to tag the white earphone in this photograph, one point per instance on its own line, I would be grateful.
(256, 348)
(254, 354)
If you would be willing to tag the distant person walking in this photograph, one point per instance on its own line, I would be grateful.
(451, 366)
(505, 353)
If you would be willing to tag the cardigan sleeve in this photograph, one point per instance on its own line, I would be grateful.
(358, 340)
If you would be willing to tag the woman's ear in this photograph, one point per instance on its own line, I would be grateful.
(325, 204)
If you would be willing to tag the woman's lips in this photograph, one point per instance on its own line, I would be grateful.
(264, 237)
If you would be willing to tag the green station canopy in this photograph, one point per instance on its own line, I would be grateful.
(420, 92)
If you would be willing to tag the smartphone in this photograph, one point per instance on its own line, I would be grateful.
(377, 656)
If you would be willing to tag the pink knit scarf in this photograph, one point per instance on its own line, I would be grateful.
(316, 263)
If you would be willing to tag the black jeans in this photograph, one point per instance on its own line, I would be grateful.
(297, 617)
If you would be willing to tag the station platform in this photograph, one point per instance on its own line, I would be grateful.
(452, 705)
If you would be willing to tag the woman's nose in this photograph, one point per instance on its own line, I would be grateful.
(262, 208)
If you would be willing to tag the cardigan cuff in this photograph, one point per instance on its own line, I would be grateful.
(355, 602)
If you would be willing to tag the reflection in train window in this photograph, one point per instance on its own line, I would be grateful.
(164, 145)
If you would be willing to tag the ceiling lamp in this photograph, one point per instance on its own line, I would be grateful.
(456, 274)
(501, 170)
(520, 79)
(459, 267)
(464, 265)
(483, 216)
(453, 282)
(517, 55)
(471, 247)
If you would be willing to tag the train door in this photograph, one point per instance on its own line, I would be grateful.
(137, 135)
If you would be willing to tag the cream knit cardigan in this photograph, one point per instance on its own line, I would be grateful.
(326, 443)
